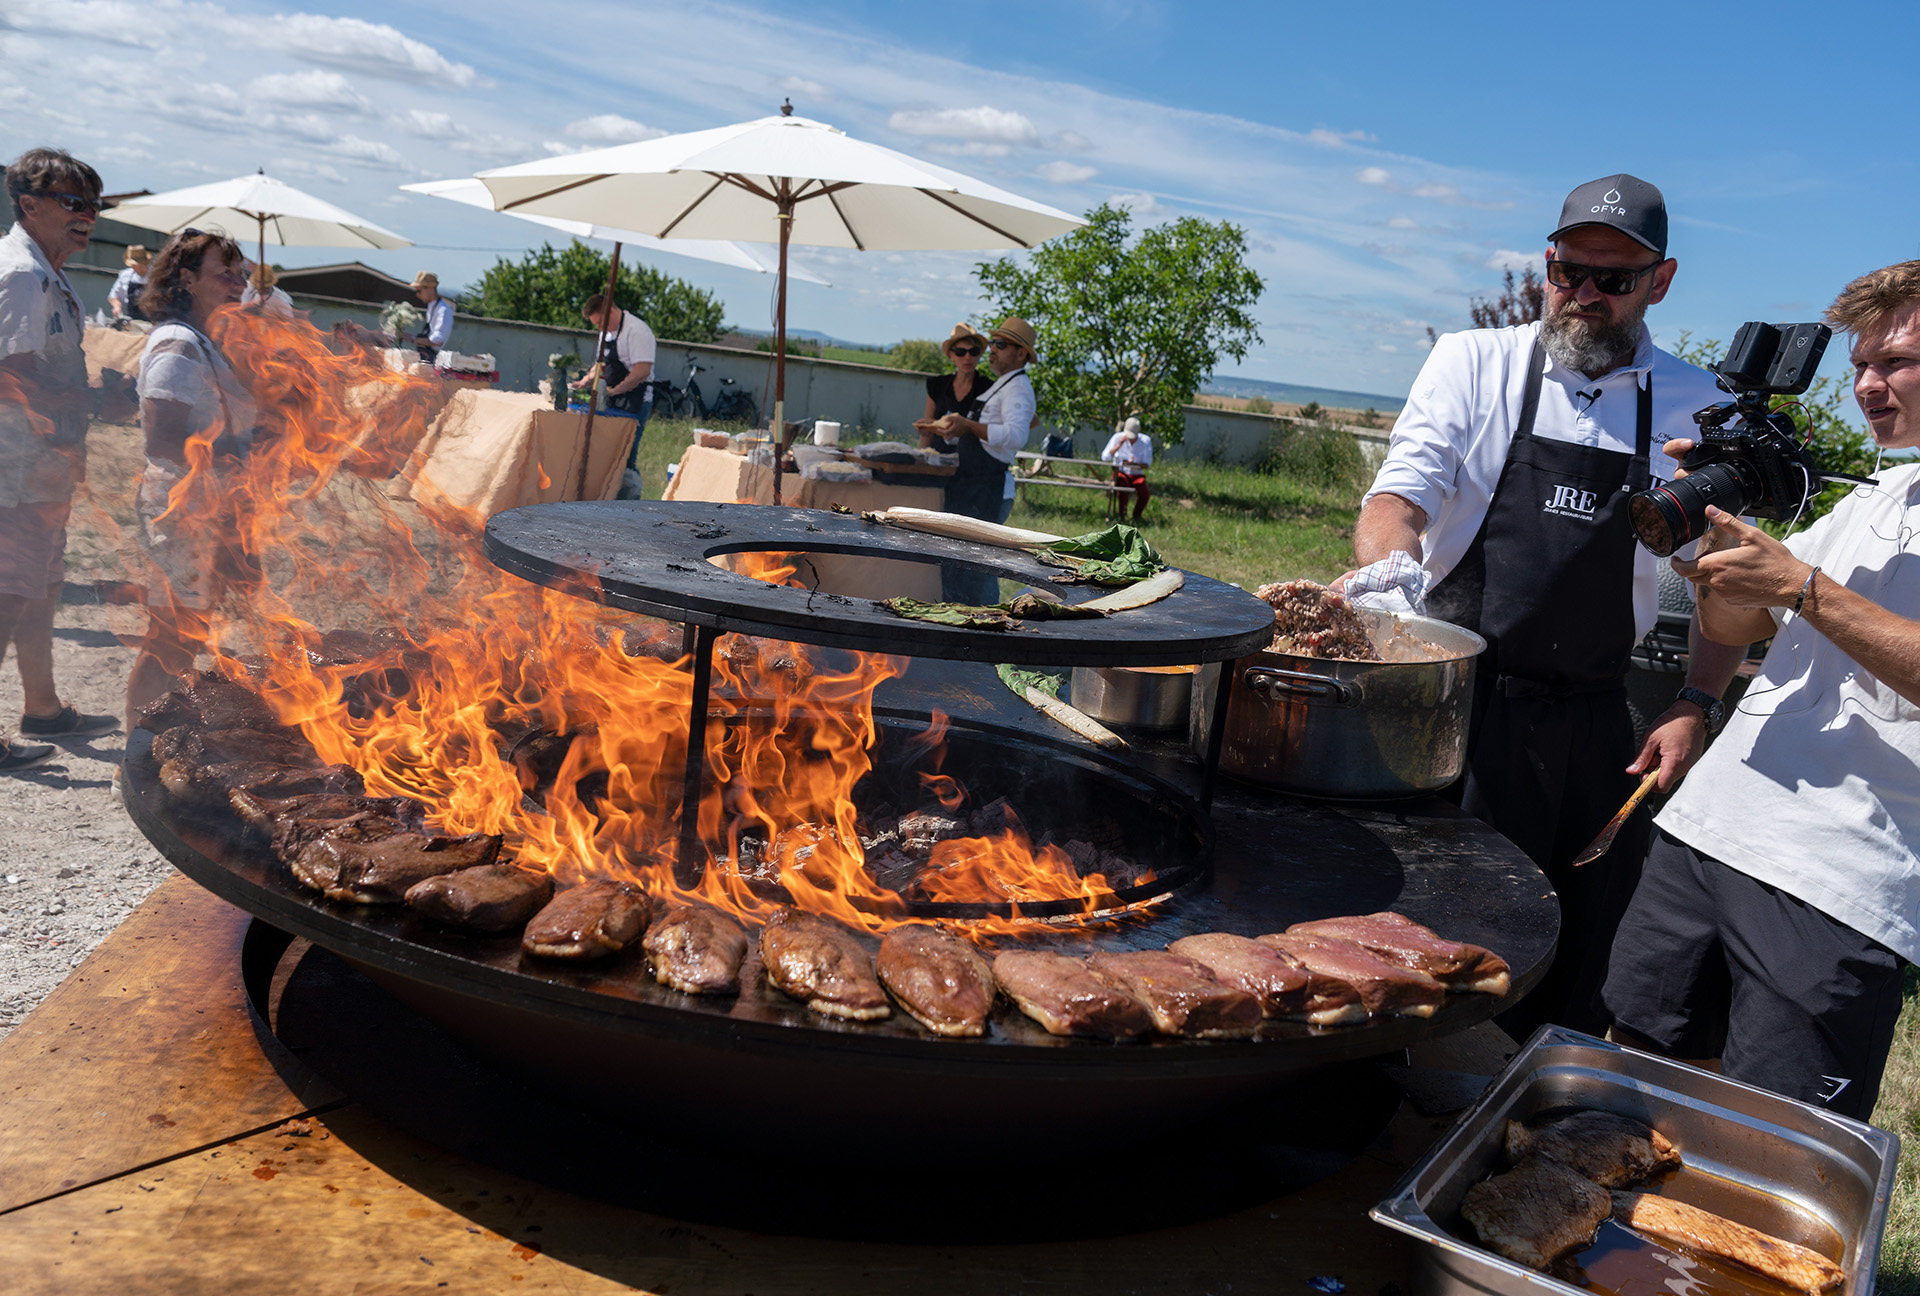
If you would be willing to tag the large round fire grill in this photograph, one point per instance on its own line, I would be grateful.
(609, 1037)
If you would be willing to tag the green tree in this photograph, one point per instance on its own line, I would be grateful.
(922, 355)
(547, 287)
(1129, 325)
(1838, 445)
(1259, 405)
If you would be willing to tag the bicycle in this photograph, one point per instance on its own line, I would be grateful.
(733, 404)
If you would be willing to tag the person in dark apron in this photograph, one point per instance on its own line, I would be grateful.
(629, 386)
(1551, 576)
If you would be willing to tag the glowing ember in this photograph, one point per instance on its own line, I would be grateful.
(543, 717)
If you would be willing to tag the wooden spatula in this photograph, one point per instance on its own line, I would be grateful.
(1601, 844)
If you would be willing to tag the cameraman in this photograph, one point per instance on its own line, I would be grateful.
(1781, 899)
(1503, 504)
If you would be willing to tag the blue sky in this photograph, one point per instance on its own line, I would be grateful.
(1386, 160)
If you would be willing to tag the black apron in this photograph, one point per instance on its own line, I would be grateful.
(1548, 582)
(979, 483)
(615, 371)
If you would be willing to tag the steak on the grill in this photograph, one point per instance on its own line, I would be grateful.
(1535, 1212)
(1675, 1221)
(938, 977)
(486, 897)
(1383, 986)
(1399, 939)
(1282, 988)
(821, 964)
(207, 700)
(588, 921)
(204, 786)
(264, 814)
(1182, 996)
(697, 950)
(346, 864)
(225, 746)
(1613, 1151)
(1064, 995)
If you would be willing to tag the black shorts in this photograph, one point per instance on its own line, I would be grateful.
(1712, 963)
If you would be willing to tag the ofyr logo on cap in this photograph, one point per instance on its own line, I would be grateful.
(1609, 202)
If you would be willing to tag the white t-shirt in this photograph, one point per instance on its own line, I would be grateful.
(1814, 785)
(1008, 415)
(40, 315)
(1451, 441)
(1129, 454)
(126, 286)
(181, 365)
(439, 321)
(633, 340)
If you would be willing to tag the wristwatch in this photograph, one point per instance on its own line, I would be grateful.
(1716, 709)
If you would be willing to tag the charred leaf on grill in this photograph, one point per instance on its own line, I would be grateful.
(484, 898)
(823, 965)
(697, 950)
(939, 978)
(1065, 997)
(589, 921)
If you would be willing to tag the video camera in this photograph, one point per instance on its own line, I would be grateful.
(1748, 458)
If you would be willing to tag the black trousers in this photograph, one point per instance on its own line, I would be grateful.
(1548, 771)
(1713, 963)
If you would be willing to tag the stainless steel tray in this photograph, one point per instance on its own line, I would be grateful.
(1837, 1170)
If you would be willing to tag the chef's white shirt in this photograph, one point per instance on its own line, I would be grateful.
(1125, 454)
(1814, 786)
(1451, 441)
(1007, 411)
(439, 322)
(633, 341)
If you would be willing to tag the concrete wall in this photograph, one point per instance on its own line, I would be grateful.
(865, 397)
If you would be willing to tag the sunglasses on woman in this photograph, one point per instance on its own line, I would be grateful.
(74, 203)
(1606, 279)
(967, 351)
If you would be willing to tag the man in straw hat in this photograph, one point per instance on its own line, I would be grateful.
(432, 340)
(982, 487)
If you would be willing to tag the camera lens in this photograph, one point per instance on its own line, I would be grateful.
(1673, 513)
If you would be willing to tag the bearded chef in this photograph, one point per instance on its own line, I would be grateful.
(1502, 507)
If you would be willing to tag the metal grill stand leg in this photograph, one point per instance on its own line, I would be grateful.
(692, 860)
(1216, 735)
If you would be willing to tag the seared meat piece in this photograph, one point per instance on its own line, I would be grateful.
(588, 921)
(1398, 939)
(208, 700)
(1181, 995)
(487, 897)
(294, 833)
(1613, 1151)
(1065, 996)
(822, 964)
(225, 746)
(265, 813)
(1535, 1212)
(696, 950)
(213, 785)
(1383, 986)
(1282, 987)
(346, 865)
(938, 977)
(1698, 1230)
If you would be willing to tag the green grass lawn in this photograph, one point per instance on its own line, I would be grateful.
(1229, 523)
(1899, 1111)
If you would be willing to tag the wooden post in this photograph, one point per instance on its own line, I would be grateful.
(593, 392)
(779, 426)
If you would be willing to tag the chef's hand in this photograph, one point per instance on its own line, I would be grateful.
(1674, 742)
(1744, 565)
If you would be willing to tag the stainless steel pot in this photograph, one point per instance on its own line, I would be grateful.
(1346, 728)
(1154, 698)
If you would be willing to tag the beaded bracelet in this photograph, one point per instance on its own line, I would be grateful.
(1800, 601)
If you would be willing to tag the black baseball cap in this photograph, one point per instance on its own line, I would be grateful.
(1626, 203)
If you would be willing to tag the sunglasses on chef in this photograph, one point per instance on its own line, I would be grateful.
(73, 203)
(1612, 281)
(998, 344)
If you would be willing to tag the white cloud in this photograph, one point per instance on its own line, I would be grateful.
(104, 20)
(610, 128)
(1403, 223)
(368, 152)
(1065, 172)
(990, 125)
(1373, 175)
(309, 89)
(1136, 202)
(1444, 192)
(1505, 259)
(373, 48)
(311, 127)
(429, 125)
(302, 166)
(1338, 139)
(1070, 142)
(795, 85)
(559, 147)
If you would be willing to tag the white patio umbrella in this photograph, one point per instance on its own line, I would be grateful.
(745, 256)
(779, 179)
(279, 213)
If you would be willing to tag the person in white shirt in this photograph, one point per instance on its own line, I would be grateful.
(123, 299)
(45, 405)
(627, 348)
(1130, 451)
(982, 485)
(1502, 507)
(263, 295)
(1781, 901)
(432, 339)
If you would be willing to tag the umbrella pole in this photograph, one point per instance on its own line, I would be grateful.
(780, 351)
(593, 393)
(262, 255)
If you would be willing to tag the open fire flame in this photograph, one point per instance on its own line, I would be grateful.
(453, 660)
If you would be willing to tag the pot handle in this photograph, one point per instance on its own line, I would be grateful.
(1275, 684)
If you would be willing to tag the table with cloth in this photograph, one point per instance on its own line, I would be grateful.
(492, 450)
(712, 474)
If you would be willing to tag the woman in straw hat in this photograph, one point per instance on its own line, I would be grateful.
(123, 299)
(982, 486)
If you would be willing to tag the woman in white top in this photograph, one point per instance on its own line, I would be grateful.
(199, 421)
(123, 299)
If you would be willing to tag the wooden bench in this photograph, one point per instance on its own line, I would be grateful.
(1039, 472)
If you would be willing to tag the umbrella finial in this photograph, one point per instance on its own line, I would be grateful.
(786, 107)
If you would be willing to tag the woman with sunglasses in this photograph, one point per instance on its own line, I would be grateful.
(1503, 504)
(199, 419)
